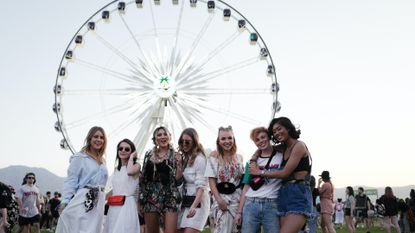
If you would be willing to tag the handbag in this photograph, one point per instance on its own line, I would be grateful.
(187, 201)
(257, 181)
(226, 187)
(116, 200)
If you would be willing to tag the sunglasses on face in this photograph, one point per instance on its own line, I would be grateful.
(185, 142)
(30, 177)
(126, 149)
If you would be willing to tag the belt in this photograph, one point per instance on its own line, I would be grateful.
(261, 199)
(99, 188)
(303, 182)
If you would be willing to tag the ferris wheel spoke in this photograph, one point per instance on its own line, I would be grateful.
(202, 78)
(117, 52)
(176, 38)
(137, 44)
(111, 73)
(184, 62)
(120, 91)
(211, 55)
(226, 91)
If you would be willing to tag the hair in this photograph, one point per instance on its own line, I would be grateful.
(388, 192)
(312, 182)
(117, 157)
(155, 133)
(256, 131)
(412, 194)
(219, 147)
(361, 188)
(286, 123)
(25, 178)
(88, 139)
(48, 192)
(196, 149)
(350, 191)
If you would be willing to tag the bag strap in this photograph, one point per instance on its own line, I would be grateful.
(274, 151)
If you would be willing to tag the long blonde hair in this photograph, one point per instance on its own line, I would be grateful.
(88, 139)
(220, 149)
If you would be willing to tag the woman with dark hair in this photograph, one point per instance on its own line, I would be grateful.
(161, 176)
(225, 170)
(83, 198)
(390, 218)
(28, 199)
(326, 201)
(196, 200)
(294, 198)
(122, 213)
(349, 206)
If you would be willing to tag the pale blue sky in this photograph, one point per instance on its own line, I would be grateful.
(346, 71)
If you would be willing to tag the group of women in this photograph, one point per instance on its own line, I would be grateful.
(272, 190)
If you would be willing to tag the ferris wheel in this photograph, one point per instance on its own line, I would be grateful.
(133, 66)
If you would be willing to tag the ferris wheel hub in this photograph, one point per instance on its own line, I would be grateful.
(165, 86)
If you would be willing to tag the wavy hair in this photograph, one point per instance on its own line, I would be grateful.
(197, 147)
(88, 139)
(293, 132)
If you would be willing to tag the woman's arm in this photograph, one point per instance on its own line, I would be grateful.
(71, 183)
(133, 169)
(221, 203)
(238, 215)
(179, 168)
(297, 153)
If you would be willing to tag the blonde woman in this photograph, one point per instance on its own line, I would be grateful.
(225, 170)
(83, 198)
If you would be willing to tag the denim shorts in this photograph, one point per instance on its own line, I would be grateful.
(260, 212)
(295, 198)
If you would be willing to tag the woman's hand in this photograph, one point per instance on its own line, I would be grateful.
(191, 213)
(133, 155)
(254, 170)
(222, 204)
(238, 218)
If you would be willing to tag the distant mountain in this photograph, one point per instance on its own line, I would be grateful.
(45, 180)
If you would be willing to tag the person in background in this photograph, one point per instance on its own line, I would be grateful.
(54, 209)
(45, 210)
(258, 203)
(361, 209)
(312, 221)
(29, 203)
(196, 201)
(349, 209)
(83, 197)
(294, 197)
(339, 212)
(390, 218)
(162, 175)
(326, 201)
(5, 199)
(225, 171)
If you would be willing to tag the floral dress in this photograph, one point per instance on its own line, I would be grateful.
(232, 173)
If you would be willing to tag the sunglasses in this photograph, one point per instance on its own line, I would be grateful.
(185, 142)
(126, 149)
(30, 177)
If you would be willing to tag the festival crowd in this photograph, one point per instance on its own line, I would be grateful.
(181, 190)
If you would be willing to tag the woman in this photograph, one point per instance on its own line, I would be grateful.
(224, 170)
(259, 202)
(196, 200)
(83, 198)
(294, 198)
(390, 218)
(326, 202)
(349, 208)
(122, 215)
(162, 174)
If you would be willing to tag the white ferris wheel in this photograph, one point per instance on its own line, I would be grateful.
(133, 66)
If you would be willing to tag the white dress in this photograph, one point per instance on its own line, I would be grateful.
(195, 178)
(123, 218)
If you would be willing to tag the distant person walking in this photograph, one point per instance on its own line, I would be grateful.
(83, 199)
(390, 218)
(339, 212)
(54, 209)
(326, 202)
(349, 206)
(28, 198)
(362, 208)
(5, 199)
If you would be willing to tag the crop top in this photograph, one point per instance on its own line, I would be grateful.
(303, 165)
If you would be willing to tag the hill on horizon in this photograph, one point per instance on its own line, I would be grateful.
(45, 180)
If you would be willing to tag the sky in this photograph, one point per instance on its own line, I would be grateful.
(345, 69)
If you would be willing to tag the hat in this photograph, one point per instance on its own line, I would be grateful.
(325, 175)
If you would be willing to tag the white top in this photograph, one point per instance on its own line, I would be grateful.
(28, 195)
(229, 173)
(271, 186)
(122, 183)
(194, 176)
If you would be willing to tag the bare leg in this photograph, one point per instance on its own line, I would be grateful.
(152, 222)
(292, 223)
(170, 222)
